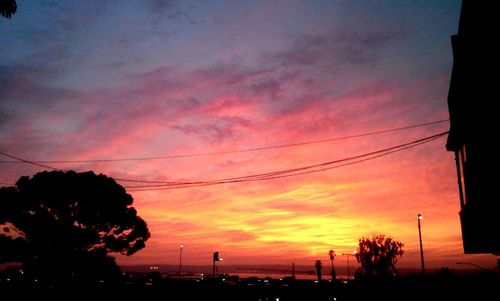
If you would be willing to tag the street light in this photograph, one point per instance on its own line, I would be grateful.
(348, 271)
(473, 264)
(419, 218)
(180, 261)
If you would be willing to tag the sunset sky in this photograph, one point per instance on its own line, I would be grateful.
(212, 87)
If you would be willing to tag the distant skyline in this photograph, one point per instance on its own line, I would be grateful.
(90, 80)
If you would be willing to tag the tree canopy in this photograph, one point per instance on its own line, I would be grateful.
(60, 224)
(8, 8)
(378, 255)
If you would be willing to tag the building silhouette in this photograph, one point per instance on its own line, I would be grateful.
(473, 135)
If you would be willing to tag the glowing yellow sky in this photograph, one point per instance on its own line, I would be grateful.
(299, 219)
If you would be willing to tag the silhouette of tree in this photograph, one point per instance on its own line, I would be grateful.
(318, 269)
(8, 8)
(378, 255)
(62, 225)
(332, 255)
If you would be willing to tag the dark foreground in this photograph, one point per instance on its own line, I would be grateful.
(478, 286)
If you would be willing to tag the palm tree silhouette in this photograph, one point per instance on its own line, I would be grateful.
(332, 255)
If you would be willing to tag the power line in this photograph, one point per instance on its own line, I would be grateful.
(159, 185)
(288, 172)
(40, 164)
(275, 173)
(378, 132)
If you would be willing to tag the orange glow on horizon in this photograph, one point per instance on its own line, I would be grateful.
(305, 215)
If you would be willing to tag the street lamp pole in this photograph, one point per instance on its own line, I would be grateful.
(419, 218)
(180, 261)
(348, 270)
(474, 265)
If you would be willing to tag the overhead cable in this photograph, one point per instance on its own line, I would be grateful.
(254, 149)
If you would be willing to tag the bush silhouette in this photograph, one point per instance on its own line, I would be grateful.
(378, 255)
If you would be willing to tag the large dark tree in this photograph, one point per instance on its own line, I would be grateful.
(378, 255)
(63, 225)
